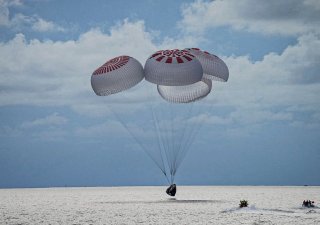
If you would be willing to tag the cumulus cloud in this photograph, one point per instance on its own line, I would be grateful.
(4, 11)
(277, 88)
(42, 25)
(294, 17)
(36, 23)
(4, 15)
(287, 79)
(20, 21)
(57, 73)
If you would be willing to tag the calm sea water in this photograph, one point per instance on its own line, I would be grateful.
(150, 205)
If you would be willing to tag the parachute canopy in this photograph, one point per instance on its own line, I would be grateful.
(173, 68)
(185, 93)
(213, 67)
(116, 75)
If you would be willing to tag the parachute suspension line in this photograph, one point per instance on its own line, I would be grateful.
(192, 138)
(187, 128)
(158, 111)
(164, 131)
(168, 136)
(172, 178)
(162, 150)
(171, 140)
(181, 129)
(176, 140)
(158, 136)
(161, 146)
(181, 138)
(173, 133)
(175, 122)
(189, 143)
(137, 140)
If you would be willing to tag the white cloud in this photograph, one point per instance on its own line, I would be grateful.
(4, 10)
(312, 3)
(51, 120)
(58, 73)
(11, 3)
(48, 128)
(42, 25)
(4, 15)
(268, 17)
(36, 23)
(257, 117)
(110, 128)
(210, 119)
(243, 116)
(20, 21)
(277, 88)
(287, 79)
(48, 73)
(51, 134)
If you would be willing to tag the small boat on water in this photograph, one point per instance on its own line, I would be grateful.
(308, 203)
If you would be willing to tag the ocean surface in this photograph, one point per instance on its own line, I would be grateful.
(151, 205)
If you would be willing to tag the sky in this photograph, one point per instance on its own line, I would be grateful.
(262, 126)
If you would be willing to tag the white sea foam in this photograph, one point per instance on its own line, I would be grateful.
(150, 205)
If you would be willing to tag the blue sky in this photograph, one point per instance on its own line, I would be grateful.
(263, 125)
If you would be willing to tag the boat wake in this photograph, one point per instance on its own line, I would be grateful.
(253, 209)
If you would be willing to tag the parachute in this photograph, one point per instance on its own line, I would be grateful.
(173, 68)
(185, 93)
(213, 67)
(166, 125)
(116, 75)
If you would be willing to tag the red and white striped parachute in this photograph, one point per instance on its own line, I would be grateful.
(213, 67)
(173, 68)
(116, 75)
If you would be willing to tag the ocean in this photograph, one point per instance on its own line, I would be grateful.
(151, 205)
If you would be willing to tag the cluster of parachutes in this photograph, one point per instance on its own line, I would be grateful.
(180, 76)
